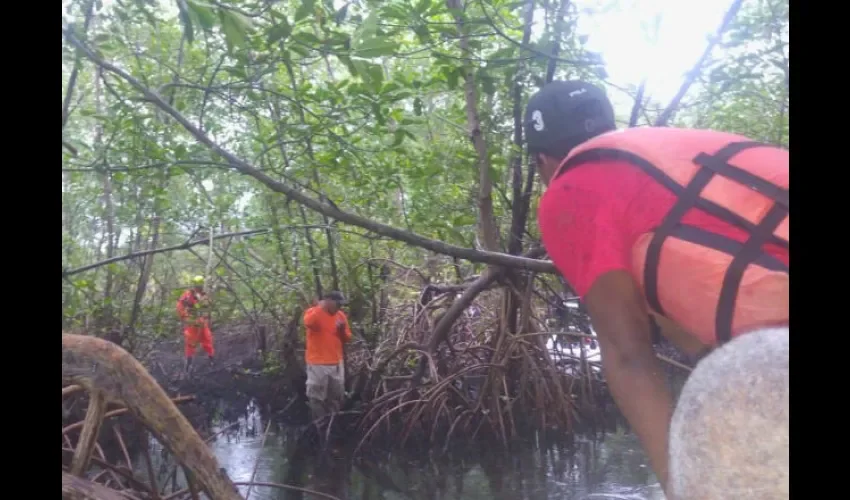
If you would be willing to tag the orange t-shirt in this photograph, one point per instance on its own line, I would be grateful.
(324, 345)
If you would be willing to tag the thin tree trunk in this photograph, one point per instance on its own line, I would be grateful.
(556, 47)
(311, 248)
(519, 204)
(147, 265)
(316, 182)
(72, 80)
(487, 227)
(109, 206)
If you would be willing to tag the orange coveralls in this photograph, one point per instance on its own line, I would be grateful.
(196, 328)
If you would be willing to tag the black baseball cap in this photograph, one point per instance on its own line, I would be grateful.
(336, 296)
(566, 110)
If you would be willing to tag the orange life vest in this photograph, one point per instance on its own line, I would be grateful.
(710, 284)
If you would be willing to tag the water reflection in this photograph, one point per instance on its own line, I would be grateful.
(614, 468)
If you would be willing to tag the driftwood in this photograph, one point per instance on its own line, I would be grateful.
(109, 372)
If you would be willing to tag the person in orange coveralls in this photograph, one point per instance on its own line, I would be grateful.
(327, 330)
(192, 307)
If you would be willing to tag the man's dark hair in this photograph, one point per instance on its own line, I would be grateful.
(335, 296)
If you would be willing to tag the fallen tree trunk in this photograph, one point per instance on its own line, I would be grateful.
(103, 367)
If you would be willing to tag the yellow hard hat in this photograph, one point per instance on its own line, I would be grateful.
(198, 280)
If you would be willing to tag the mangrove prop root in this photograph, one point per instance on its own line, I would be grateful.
(88, 437)
(75, 488)
(101, 366)
(120, 411)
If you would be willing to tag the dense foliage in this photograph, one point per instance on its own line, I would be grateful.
(403, 112)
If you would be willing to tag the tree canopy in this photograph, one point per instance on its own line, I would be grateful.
(333, 144)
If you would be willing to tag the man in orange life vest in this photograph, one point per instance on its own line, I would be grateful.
(692, 227)
(192, 307)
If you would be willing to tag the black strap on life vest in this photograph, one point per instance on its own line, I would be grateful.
(688, 197)
(654, 331)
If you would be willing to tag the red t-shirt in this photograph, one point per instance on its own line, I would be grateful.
(591, 217)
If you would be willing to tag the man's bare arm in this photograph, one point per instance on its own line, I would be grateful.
(620, 318)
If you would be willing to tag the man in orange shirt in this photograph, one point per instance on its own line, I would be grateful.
(327, 329)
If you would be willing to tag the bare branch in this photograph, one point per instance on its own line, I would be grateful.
(636, 108)
(182, 246)
(72, 80)
(665, 115)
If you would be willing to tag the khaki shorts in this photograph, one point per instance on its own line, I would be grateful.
(325, 388)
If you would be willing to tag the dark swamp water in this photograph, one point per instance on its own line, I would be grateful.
(610, 467)
(250, 445)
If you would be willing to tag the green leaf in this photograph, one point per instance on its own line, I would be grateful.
(504, 53)
(376, 110)
(301, 51)
(366, 30)
(452, 78)
(237, 72)
(360, 68)
(376, 75)
(375, 47)
(306, 38)
(348, 64)
(186, 21)
(422, 6)
(204, 13)
(338, 39)
(422, 32)
(457, 234)
(235, 27)
(488, 84)
(463, 220)
(398, 136)
(279, 32)
(306, 8)
(396, 12)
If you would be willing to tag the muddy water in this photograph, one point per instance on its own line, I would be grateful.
(613, 468)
